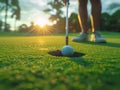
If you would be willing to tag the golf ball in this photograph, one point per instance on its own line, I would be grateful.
(67, 50)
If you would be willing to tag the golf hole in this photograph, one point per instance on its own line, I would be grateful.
(59, 54)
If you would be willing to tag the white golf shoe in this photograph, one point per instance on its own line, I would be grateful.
(96, 37)
(81, 38)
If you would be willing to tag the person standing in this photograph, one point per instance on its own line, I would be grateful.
(83, 20)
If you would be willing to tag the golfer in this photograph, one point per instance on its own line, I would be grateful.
(95, 21)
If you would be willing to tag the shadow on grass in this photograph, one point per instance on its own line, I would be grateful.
(109, 44)
(79, 61)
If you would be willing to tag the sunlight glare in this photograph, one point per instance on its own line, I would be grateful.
(42, 22)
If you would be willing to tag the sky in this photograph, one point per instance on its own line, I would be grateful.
(32, 10)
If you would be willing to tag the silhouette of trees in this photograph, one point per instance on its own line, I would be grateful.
(14, 6)
(15, 11)
(108, 22)
(105, 21)
(23, 28)
(74, 23)
(35, 29)
(55, 10)
(115, 21)
(1, 25)
(111, 22)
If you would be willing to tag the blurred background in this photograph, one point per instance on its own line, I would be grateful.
(48, 16)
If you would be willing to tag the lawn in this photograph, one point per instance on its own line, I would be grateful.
(26, 65)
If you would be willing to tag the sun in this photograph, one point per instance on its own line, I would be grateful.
(42, 22)
(42, 26)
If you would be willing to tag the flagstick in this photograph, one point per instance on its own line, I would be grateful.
(67, 29)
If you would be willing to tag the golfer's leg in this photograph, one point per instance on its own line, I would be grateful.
(83, 19)
(95, 14)
(95, 20)
(83, 15)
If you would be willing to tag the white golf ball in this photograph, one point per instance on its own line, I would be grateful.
(67, 50)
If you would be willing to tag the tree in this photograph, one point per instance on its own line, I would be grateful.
(23, 28)
(16, 11)
(111, 22)
(16, 14)
(6, 11)
(12, 4)
(105, 21)
(1, 25)
(115, 21)
(74, 23)
(55, 10)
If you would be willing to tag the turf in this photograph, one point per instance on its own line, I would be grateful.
(26, 65)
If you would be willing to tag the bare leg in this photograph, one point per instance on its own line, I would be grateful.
(95, 14)
(83, 15)
(95, 20)
(83, 20)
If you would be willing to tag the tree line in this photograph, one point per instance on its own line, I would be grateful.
(109, 22)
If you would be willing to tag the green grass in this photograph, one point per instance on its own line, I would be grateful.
(26, 65)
